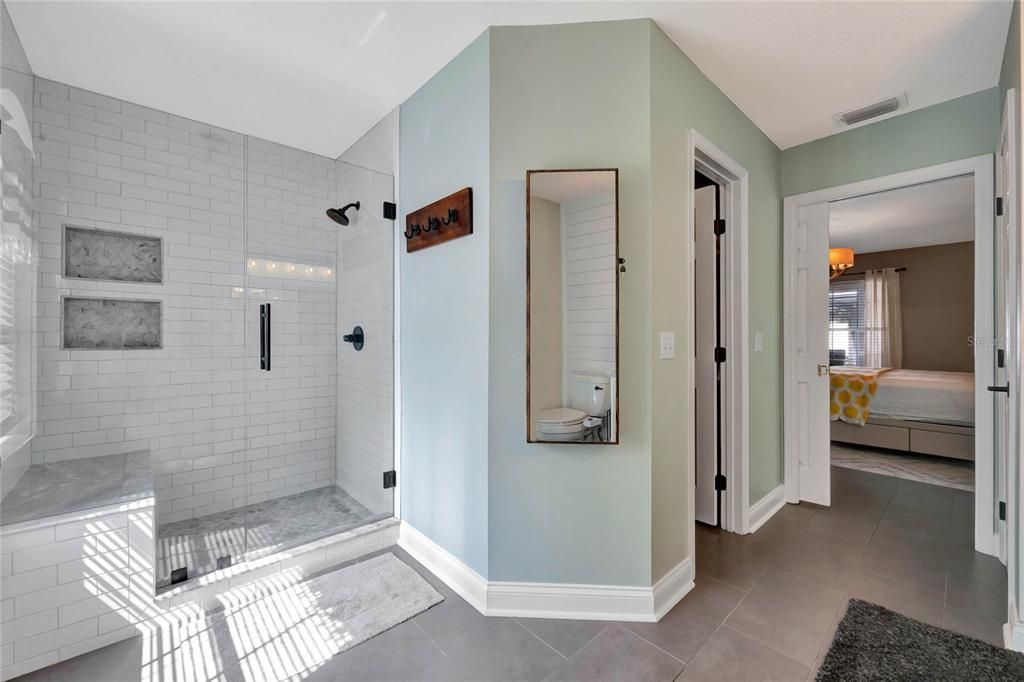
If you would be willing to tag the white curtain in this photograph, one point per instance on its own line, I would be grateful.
(883, 319)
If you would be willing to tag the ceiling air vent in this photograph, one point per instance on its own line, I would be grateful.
(886, 106)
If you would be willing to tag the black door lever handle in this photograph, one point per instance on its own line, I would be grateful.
(1000, 389)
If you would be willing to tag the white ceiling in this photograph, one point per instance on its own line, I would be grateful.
(940, 212)
(563, 187)
(317, 75)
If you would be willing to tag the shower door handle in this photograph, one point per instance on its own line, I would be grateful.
(265, 336)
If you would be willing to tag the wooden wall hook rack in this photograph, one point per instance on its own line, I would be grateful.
(435, 223)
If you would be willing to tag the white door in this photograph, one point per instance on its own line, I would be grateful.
(705, 398)
(807, 397)
(1006, 312)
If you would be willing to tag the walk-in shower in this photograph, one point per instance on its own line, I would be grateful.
(158, 350)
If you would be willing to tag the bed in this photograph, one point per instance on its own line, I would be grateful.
(917, 411)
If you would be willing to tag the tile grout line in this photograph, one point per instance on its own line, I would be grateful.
(644, 639)
(540, 639)
(721, 624)
(587, 643)
(765, 644)
(427, 635)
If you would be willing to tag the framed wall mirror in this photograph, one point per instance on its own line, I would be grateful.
(572, 307)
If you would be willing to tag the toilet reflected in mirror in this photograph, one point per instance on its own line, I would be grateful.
(572, 306)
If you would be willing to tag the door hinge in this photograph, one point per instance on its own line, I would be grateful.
(720, 483)
(1000, 357)
(719, 226)
(390, 479)
(999, 206)
(719, 354)
(1002, 510)
(390, 210)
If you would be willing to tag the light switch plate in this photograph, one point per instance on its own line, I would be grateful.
(668, 345)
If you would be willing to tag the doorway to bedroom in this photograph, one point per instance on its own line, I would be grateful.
(890, 344)
(898, 387)
(901, 333)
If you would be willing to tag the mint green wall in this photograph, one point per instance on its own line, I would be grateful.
(683, 98)
(444, 139)
(1009, 74)
(569, 96)
(957, 129)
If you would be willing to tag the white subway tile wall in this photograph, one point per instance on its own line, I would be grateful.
(73, 585)
(366, 377)
(589, 234)
(292, 264)
(105, 163)
(377, 149)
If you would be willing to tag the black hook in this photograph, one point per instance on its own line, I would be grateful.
(416, 229)
(453, 216)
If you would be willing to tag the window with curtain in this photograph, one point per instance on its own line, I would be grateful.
(847, 322)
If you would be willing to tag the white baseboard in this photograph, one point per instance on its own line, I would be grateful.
(672, 587)
(766, 507)
(466, 582)
(1013, 631)
(549, 600)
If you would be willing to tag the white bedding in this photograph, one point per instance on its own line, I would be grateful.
(916, 395)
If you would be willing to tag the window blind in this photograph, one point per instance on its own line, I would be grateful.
(847, 331)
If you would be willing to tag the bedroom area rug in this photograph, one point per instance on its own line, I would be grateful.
(950, 473)
(874, 643)
(283, 627)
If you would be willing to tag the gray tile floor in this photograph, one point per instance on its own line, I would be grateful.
(764, 606)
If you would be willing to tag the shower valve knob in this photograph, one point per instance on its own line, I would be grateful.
(356, 338)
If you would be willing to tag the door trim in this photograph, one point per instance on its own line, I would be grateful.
(982, 168)
(733, 180)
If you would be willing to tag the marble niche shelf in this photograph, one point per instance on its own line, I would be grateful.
(111, 323)
(112, 256)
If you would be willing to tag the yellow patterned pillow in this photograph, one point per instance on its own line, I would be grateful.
(850, 396)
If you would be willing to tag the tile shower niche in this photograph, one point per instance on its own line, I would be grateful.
(111, 323)
(112, 256)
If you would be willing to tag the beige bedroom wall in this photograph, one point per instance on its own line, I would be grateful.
(937, 292)
(545, 306)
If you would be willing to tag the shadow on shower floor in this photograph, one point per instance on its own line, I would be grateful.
(255, 530)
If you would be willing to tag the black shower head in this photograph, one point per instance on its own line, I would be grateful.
(338, 214)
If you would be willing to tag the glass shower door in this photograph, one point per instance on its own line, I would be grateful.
(298, 308)
(366, 378)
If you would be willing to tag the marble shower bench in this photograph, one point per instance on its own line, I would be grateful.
(76, 559)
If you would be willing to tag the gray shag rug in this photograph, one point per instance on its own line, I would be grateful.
(874, 643)
(281, 634)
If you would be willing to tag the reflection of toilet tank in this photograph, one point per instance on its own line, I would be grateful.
(590, 393)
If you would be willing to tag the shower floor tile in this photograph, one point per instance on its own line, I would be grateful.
(256, 530)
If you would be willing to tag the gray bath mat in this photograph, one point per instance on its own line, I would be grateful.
(874, 643)
(283, 634)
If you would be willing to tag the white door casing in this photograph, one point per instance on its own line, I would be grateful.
(706, 463)
(1007, 314)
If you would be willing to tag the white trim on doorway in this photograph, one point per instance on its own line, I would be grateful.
(733, 179)
(981, 167)
(641, 604)
(766, 507)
